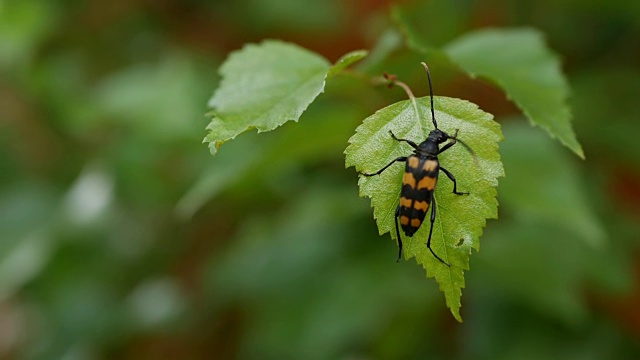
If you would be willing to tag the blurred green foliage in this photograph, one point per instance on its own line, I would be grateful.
(121, 237)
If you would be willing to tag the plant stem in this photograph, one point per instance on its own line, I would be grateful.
(394, 81)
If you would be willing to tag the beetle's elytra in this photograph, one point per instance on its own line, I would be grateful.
(420, 179)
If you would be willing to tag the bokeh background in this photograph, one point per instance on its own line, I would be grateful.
(121, 237)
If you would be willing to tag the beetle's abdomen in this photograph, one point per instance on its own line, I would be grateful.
(418, 183)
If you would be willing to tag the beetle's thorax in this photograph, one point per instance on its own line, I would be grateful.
(431, 146)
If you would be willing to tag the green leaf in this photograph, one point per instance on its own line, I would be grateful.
(546, 267)
(345, 61)
(412, 36)
(530, 73)
(263, 86)
(605, 101)
(556, 195)
(321, 136)
(426, 36)
(460, 219)
(388, 42)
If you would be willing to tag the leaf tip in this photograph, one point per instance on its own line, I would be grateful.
(213, 146)
(456, 314)
(345, 61)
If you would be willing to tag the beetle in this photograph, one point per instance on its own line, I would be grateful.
(420, 179)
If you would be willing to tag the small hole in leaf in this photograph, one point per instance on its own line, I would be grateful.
(460, 242)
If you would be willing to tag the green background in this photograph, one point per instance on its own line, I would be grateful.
(122, 238)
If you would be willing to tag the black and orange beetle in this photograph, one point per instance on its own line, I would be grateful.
(420, 179)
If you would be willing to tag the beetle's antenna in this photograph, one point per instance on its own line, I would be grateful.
(469, 149)
(433, 115)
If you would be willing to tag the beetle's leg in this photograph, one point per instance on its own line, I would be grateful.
(448, 145)
(401, 158)
(455, 187)
(398, 234)
(413, 145)
(433, 219)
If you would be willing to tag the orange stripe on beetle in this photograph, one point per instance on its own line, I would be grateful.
(416, 223)
(413, 162)
(427, 182)
(430, 165)
(404, 220)
(404, 202)
(421, 205)
(409, 179)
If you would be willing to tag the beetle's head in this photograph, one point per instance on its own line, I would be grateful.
(438, 136)
(430, 146)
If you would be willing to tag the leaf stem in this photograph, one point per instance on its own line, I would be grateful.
(393, 80)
